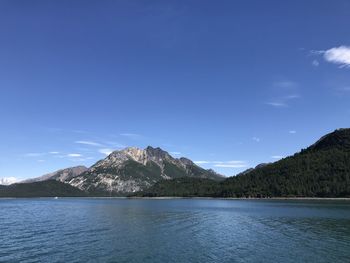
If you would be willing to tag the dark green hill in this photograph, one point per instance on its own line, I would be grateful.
(321, 170)
(339, 139)
(183, 187)
(50, 188)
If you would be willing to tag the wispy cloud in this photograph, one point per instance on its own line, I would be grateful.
(106, 147)
(54, 152)
(256, 139)
(106, 151)
(8, 180)
(112, 144)
(90, 143)
(336, 55)
(292, 132)
(285, 84)
(131, 135)
(74, 155)
(315, 63)
(230, 165)
(175, 153)
(202, 162)
(277, 104)
(292, 96)
(224, 164)
(282, 93)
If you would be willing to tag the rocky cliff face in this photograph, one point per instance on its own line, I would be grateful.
(62, 175)
(133, 169)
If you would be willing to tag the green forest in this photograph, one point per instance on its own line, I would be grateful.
(321, 170)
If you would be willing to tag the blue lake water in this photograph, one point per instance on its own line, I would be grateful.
(174, 230)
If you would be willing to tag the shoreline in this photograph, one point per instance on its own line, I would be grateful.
(243, 198)
(178, 197)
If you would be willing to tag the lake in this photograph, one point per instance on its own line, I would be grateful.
(173, 230)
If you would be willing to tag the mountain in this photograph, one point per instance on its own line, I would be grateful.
(62, 175)
(321, 170)
(133, 169)
(49, 188)
(127, 171)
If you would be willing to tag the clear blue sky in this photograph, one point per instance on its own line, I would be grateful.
(229, 84)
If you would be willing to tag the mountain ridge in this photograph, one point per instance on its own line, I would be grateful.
(61, 175)
(320, 170)
(133, 169)
(128, 170)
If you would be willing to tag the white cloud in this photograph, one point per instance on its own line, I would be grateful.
(41, 161)
(277, 104)
(282, 93)
(292, 132)
(236, 162)
(277, 157)
(54, 152)
(175, 153)
(131, 135)
(338, 55)
(91, 143)
(106, 151)
(74, 155)
(201, 162)
(225, 164)
(256, 139)
(231, 165)
(292, 96)
(8, 180)
(315, 63)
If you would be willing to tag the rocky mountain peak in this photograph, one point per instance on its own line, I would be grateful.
(186, 161)
(139, 155)
(135, 154)
(157, 153)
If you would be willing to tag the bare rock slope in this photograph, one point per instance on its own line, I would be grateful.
(133, 169)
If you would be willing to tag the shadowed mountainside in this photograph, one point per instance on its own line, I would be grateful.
(321, 170)
(50, 188)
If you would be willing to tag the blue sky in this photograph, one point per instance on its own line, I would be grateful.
(229, 84)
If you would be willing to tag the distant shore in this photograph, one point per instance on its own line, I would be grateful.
(200, 198)
(243, 198)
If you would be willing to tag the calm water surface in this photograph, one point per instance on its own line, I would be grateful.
(177, 230)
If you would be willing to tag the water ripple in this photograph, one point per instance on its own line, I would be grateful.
(122, 230)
